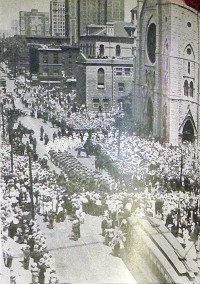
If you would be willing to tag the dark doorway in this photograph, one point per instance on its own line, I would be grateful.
(188, 132)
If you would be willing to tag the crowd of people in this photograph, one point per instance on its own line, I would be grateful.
(150, 179)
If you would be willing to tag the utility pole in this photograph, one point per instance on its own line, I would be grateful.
(2, 116)
(10, 126)
(31, 186)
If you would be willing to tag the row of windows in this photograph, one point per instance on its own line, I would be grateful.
(46, 71)
(106, 104)
(96, 103)
(101, 78)
(89, 49)
(123, 71)
(102, 50)
(188, 88)
(55, 58)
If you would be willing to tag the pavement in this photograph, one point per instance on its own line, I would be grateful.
(87, 260)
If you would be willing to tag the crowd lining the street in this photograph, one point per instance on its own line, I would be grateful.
(150, 179)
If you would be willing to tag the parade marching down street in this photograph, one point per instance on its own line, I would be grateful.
(70, 181)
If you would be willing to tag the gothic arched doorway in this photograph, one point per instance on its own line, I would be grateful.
(188, 132)
(150, 115)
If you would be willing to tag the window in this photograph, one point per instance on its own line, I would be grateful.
(188, 67)
(127, 71)
(189, 51)
(101, 50)
(121, 87)
(45, 58)
(186, 88)
(87, 49)
(45, 71)
(101, 78)
(118, 71)
(55, 58)
(191, 89)
(151, 42)
(55, 71)
(118, 50)
(120, 103)
(95, 103)
(105, 103)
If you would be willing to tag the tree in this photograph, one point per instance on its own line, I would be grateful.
(15, 52)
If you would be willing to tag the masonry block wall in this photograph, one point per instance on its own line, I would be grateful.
(93, 92)
(175, 70)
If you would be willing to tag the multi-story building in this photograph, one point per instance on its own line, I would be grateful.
(114, 10)
(57, 18)
(99, 12)
(34, 23)
(105, 68)
(70, 17)
(50, 66)
(166, 94)
(15, 27)
(69, 56)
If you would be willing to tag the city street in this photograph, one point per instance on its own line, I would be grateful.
(87, 260)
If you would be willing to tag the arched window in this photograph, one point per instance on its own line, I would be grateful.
(101, 78)
(188, 132)
(186, 88)
(188, 67)
(118, 50)
(101, 50)
(151, 42)
(191, 89)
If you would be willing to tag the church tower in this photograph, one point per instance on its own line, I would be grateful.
(166, 86)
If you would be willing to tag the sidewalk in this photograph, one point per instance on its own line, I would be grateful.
(23, 276)
(88, 260)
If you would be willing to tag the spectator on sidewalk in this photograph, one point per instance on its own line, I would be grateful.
(35, 273)
(26, 253)
(8, 258)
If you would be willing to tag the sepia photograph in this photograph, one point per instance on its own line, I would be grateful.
(100, 141)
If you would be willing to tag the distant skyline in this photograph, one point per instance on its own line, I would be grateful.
(9, 9)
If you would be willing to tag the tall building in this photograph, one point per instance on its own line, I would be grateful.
(15, 27)
(71, 17)
(34, 23)
(166, 95)
(57, 18)
(115, 10)
(99, 12)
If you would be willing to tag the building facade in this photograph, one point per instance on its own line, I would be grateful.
(105, 68)
(70, 18)
(34, 23)
(69, 56)
(57, 18)
(14, 27)
(166, 83)
(50, 66)
(99, 12)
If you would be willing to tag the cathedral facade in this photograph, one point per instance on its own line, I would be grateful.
(167, 75)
